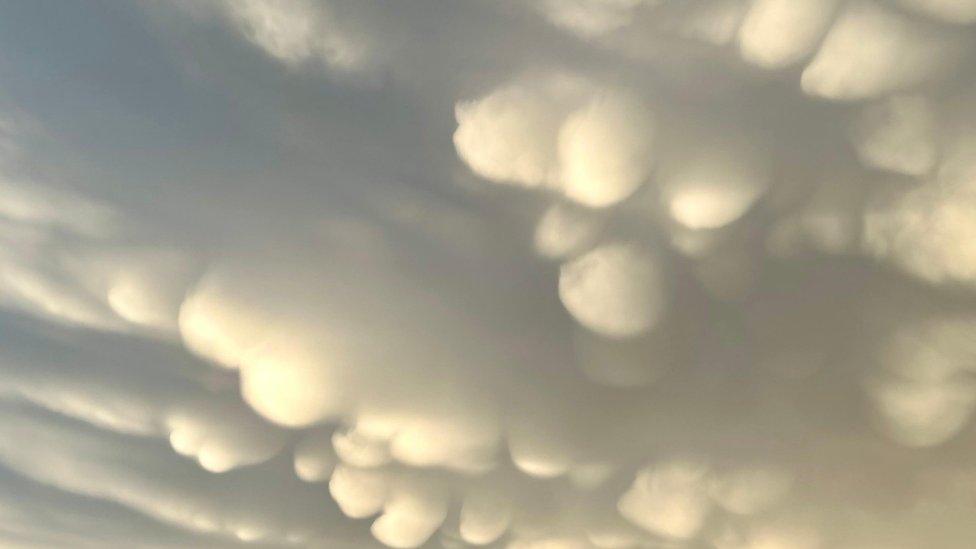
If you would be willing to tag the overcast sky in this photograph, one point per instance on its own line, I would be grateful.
(520, 274)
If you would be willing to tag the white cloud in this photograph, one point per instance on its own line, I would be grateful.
(632, 362)
(360, 493)
(606, 150)
(593, 146)
(897, 134)
(314, 457)
(871, 50)
(753, 489)
(565, 229)
(779, 33)
(486, 513)
(284, 367)
(713, 186)
(32, 203)
(214, 240)
(222, 435)
(668, 499)
(413, 511)
(299, 31)
(927, 231)
(590, 18)
(617, 290)
(509, 136)
(133, 473)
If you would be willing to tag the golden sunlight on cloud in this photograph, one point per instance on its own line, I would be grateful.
(616, 290)
(523, 274)
(593, 146)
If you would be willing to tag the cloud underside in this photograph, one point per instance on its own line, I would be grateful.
(525, 274)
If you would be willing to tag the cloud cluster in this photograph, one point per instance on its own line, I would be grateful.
(527, 274)
(297, 32)
(872, 50)
(593, 146)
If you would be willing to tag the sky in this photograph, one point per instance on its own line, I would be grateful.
(514, 274)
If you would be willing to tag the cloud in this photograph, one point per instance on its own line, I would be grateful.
(297, 32)
(314, 456)
(565, 229)
(134, 473)
(593, 146)
(750, 490)
(485, 515)
(898, 135)
(509, 136)
(589, 18)
(32, 204)
(871, 50)
(960, 12)
(605, 150)
(221, 435)
(67, 260)
(669, 500)
(283, 370)
(631, 362)
(922, 389)
(616, 290)
(830, 221)
(925, 230)
(411, 514)
(359, 493)
(777, 33)
(713, 186)
(714, 23)
(593, 273)
(74, 521)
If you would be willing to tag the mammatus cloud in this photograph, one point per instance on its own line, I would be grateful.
(295, 32)
(524, 274)
(872, 49)
(936, 208)
(777, 33)
(615, 290)
(898, 135)
(594, 146)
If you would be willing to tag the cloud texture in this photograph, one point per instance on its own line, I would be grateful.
(525, 274)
